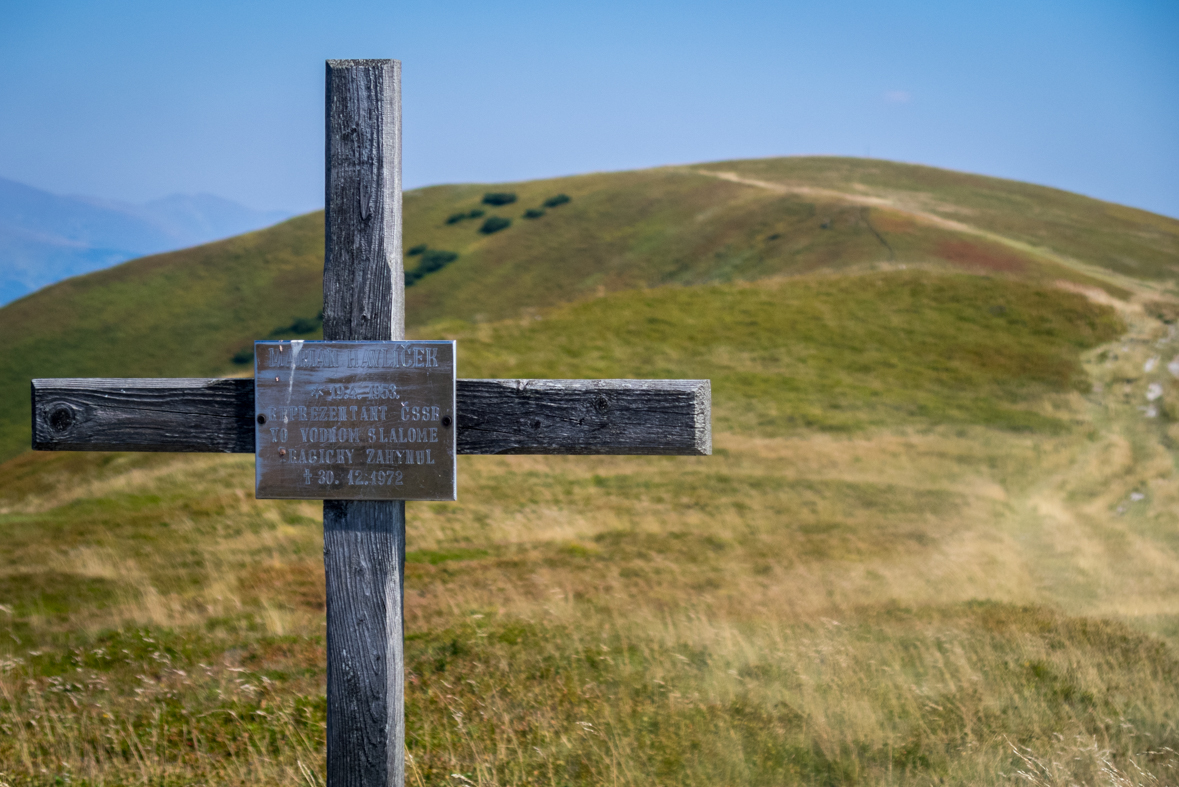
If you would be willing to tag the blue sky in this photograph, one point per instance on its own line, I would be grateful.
(134, 100)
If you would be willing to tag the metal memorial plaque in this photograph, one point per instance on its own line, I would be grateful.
(355, 420)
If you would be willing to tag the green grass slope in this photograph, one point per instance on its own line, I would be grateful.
(936, 543)
(832, 353)
(188, 313)
(687, 226)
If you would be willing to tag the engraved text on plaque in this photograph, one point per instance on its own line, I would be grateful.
(355, 420)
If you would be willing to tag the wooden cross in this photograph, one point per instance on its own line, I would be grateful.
(364, 540)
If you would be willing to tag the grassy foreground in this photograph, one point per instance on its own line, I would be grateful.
(937, 543)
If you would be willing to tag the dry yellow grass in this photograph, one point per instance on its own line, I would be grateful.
(928, 604)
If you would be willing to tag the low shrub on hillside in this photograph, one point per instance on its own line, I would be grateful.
(560, 199)
(533, 213)
(304, 325)
(436, 259)
(417, 249)
(432, 260)
(473, 213)
(495, 224)
(244, 356)
(301, 326)
(499, 198)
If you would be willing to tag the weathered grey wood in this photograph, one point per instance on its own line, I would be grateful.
(364, 542)
(364, 562)
(144, 415)
(494, 416)
(363, 279)
(584, 416)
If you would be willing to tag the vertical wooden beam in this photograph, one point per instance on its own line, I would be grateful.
(364, 542)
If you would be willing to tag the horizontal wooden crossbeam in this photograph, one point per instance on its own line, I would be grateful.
(494, 416)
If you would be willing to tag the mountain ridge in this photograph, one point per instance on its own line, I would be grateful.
(46, 237)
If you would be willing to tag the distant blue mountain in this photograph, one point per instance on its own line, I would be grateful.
(45, 238)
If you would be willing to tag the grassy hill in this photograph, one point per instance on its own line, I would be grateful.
(661, 227)
(937, 542)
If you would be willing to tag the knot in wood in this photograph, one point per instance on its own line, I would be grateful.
(601, 404)
(61, 419)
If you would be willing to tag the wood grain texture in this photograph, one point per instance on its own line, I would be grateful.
(494, 416)
(144, 415)
(364, 542)
(584, 416)
(364, 565)
(363, 279)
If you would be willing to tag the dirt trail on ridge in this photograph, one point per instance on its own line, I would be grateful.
(897, 204)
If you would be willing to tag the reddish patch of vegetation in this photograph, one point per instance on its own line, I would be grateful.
(894, 223)
(966, 254)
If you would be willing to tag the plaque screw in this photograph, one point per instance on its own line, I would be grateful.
(276, 378)
(446, 420)
(261, 418)
(282, 452)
